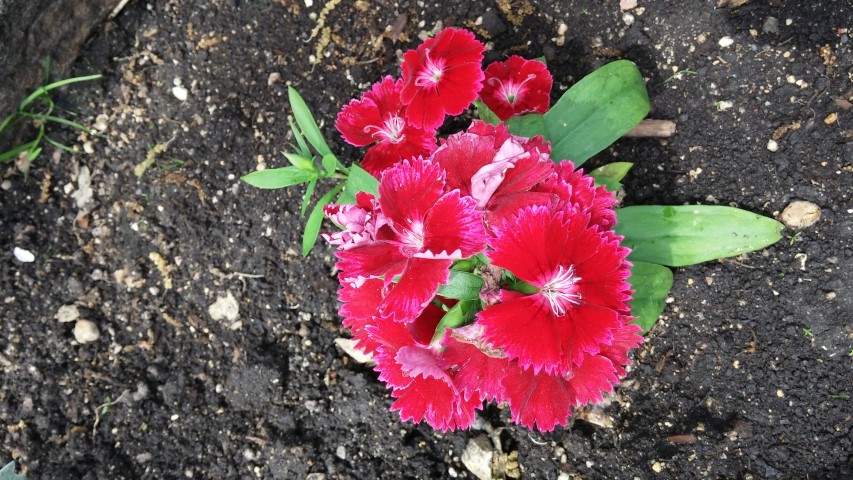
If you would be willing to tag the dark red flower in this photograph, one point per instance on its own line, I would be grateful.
(577, 276)
(380, 117)
(442, 77)
(516, 86)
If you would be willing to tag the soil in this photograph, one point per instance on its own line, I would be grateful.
(746, 375)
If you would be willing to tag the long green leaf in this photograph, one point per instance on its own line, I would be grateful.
(651, 284)
(17, 150)
(615, 170)
(303, 147)
(528, 125)
(46, 88)
(309, 190)
(279, 177)
(485, 113)
(462, 286)
(312, 226)
(358, 181)
(690, 234)
(596, 111)
(306, 122)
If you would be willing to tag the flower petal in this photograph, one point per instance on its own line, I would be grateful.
(476, 374)
(408, 190)
(416, 287)
(537, 400)
(454, 225)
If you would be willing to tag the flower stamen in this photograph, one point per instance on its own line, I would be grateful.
(511, 91)
(390, 131)
(431, 73)
(562, 290)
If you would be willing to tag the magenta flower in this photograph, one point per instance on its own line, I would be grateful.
(359, 221)
(577, 287)
(442, 77)
(426, 230)
(516, 86)
(379, 118)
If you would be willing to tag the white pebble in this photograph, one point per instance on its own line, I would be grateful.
(726, 42)
(772, 145)
(22, 255)
(628, 19)
(86, 331)
(67, 313)
(225, 308)
(180, 93)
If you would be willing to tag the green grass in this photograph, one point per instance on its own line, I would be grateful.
(38, 108)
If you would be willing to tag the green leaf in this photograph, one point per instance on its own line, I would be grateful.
(462, 286)
(690, 234)
(306, 122)
(8, 472)
(278, 177)
(358, 181)
(300, 162)
(651, 284)
(330, 161)
(46, 88)
(307, 197)
(17, 150)
(312, 226)
(596, 111)
(303, 147)
(485, 113)
(615, 170)
(459, 315)
(528, 125)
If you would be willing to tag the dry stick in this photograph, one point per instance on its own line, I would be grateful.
(107, 404)
(653, 128)
(118, 9)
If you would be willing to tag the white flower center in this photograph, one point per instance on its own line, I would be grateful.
(562, 290)
(511, 91)
(390, 131)
(431, 73)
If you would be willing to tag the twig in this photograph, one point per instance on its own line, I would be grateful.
(653, 128)
(118, 9)
(107, 404)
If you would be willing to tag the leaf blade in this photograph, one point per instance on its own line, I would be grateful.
(689, 234)
(312, 226)
(596, 111)
(651, 284)
(306, 122)
(278, 177)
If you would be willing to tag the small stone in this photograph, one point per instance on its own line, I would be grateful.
(180, 93)
(67, 313)
(780, 393)
(477, 457)
(273, 78)
(831, 118)
(6, 184)
(800, 214)
(771, 25)
(726, 42)
(628, 19)
(225, 308)
(772, 145)
(24, 256)
(724, 105)
(341, 452)
(657, 467)
(101, 123)
(627, 4)
(86, 331)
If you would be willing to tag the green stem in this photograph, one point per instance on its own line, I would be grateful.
(523, 287)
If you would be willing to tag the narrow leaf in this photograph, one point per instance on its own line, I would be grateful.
(358, 181)
(596, 111)
(300, 162)
(330, 161)
(462, 286)
(312, 226)
(303, 147)
(46, 88)
(17, 150)
(690, 234)
(615, 170)
(651, 284)
(306, 122)
(459, 315)
(528, 125)
(278, 177)
(307, 197)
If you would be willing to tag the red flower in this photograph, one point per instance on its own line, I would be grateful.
(577, 275)
(516, 86)
(496, 168)
(573, 189)
(422, 386)
(380, 117)
(426, 230)
(442, 77)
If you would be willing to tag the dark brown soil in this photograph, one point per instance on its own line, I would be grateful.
(747, 375)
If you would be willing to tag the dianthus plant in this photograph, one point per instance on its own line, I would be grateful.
(485, 266)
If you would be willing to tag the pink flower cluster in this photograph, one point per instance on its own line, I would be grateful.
(551, 328)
